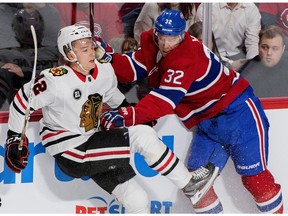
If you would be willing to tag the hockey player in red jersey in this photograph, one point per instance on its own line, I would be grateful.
(190, 81)
(71, 98)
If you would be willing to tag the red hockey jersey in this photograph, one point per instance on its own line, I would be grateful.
(190, 81)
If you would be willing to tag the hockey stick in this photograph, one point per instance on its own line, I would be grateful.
(91, 17)
(91, 20)
(27, 111)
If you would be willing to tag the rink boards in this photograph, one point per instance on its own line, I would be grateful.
(43, 188)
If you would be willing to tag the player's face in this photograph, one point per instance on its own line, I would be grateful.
(85, 52)
(167, 43)
(271, 50)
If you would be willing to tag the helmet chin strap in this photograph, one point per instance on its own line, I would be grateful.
(77, 62)
(80, 65)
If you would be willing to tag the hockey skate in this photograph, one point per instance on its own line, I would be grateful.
(201, 181)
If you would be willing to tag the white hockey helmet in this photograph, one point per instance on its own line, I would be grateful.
(69, 34)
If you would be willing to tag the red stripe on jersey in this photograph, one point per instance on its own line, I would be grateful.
(260, 131)
(166, 164)
(52, 134)
(20, 101)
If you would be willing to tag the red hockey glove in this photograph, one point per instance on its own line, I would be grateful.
(16, 159)
(103, 50)
(111, 119)
(129, 115)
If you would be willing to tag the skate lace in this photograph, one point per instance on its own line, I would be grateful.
(200, 173)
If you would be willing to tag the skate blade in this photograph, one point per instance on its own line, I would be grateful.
(200, 193)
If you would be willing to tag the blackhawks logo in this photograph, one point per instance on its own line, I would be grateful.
(58, 71)
(91, 112)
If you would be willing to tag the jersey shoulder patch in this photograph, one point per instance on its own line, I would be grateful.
(58, 71)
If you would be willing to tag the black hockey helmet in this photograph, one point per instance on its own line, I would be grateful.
(21, 25)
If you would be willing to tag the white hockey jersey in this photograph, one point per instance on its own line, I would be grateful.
(71, 104)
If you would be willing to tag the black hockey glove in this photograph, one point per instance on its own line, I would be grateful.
(16, 159)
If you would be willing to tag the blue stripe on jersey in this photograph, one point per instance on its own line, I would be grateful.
(174, 95)
(271, 207)
(138, 68)
(211, 76)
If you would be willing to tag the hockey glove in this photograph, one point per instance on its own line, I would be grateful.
(103, 50)
(129, 116)
(111, 119)
(15, 160)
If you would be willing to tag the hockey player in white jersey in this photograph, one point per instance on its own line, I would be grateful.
(71, 98)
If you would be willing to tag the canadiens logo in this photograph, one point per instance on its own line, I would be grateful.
(58, 71)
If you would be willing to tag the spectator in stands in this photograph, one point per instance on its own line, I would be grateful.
(236, 27)
(196, 30)
(129, 13)
(7, 35)
(129, 45)
(51, 19)
(7, 40)
(19, 61)
(275, 14)
(46, 38)
(151, 11)
(267, 72)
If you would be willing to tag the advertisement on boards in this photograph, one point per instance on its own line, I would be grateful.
(43, 188)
